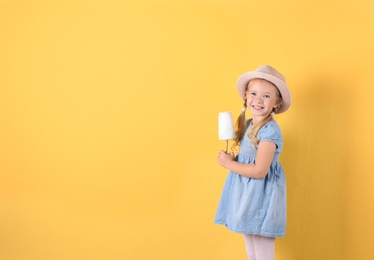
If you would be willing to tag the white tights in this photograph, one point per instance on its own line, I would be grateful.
(259, 247)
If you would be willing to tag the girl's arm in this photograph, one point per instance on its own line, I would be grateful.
(257, 170)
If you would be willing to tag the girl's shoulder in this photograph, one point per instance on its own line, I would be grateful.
(270, 129)
(272, 124)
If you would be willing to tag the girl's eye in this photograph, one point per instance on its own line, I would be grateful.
(266, 96)
(253, 94)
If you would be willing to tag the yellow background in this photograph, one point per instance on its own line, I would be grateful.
(108, 125)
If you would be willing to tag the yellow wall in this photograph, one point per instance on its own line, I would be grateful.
(108, 125)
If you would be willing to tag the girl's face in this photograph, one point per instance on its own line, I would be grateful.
(262, 98)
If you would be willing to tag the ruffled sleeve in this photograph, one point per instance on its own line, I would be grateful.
(271, 132)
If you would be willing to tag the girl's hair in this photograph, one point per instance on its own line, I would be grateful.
(242, 124)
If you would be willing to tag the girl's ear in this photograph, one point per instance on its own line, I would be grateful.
(278, 103)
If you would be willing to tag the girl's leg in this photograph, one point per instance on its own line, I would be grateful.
(264, 247)
(250, 247)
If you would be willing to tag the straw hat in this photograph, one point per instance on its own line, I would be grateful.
(270, 74)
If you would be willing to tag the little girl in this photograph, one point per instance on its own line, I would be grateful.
(253, 200)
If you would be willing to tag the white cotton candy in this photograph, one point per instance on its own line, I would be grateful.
(225, 126)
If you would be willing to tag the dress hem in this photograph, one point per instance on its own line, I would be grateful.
(244, 232)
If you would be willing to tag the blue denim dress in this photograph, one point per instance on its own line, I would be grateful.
(256, 206)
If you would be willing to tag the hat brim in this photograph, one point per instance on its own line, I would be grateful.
(281, 85)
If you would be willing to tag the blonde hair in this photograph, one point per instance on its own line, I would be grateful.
(242, 124)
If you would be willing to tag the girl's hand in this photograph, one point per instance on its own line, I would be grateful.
(224, 159)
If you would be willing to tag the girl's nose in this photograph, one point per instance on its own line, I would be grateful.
(258, 99)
